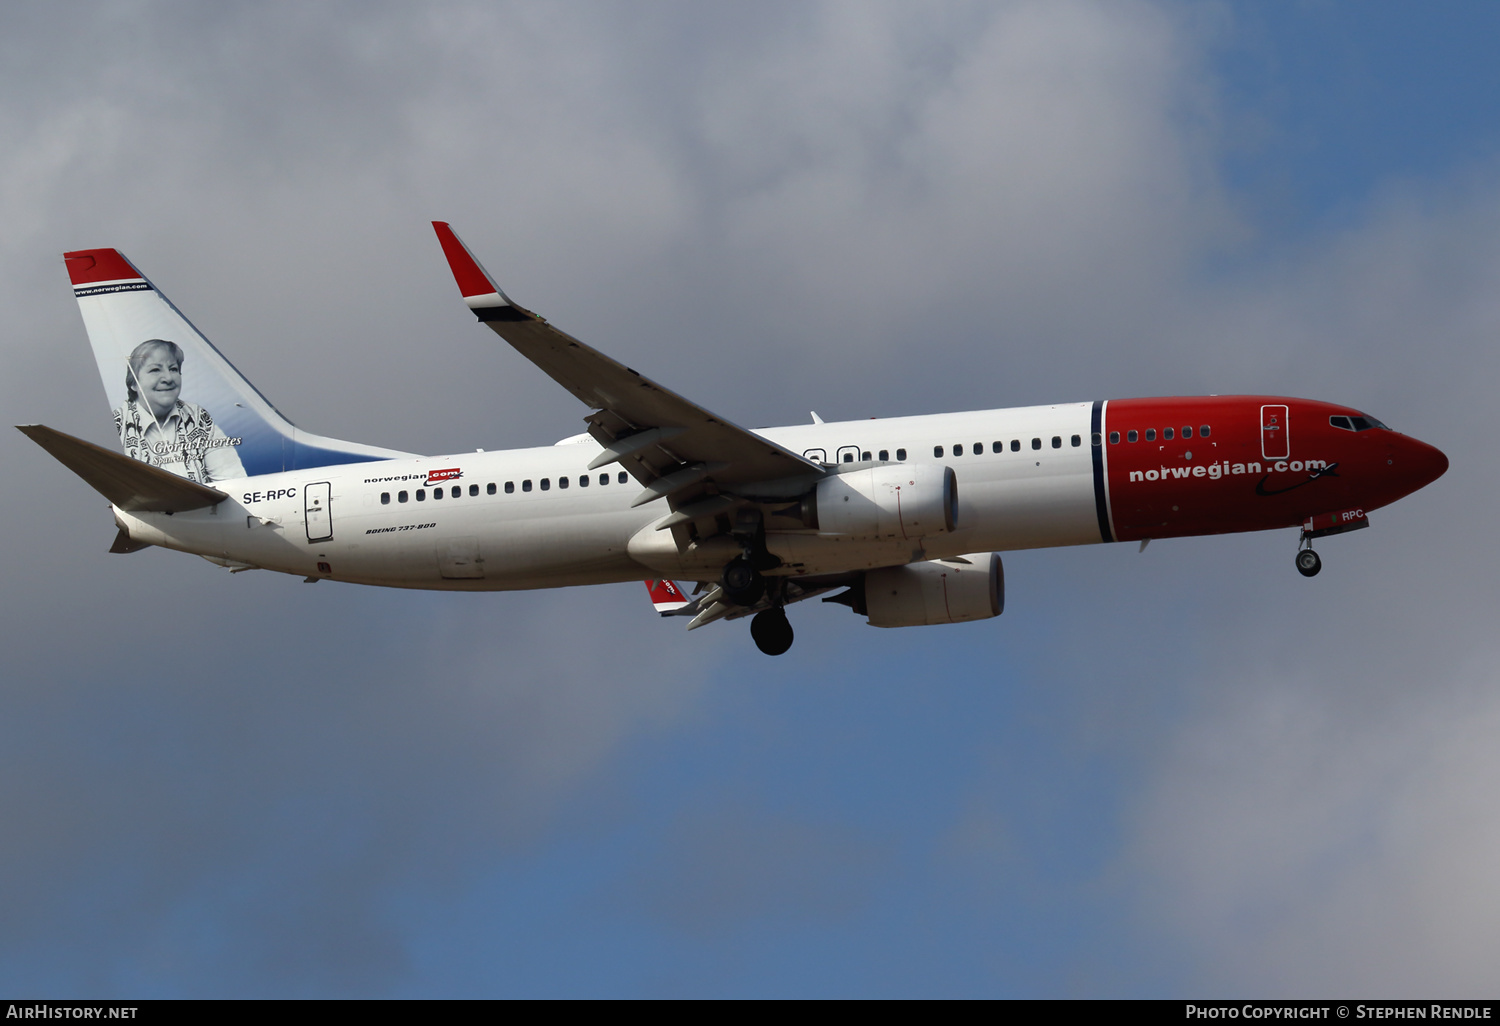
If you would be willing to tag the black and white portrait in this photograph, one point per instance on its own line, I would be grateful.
(158, 427)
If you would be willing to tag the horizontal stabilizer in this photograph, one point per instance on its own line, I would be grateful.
(129, 484)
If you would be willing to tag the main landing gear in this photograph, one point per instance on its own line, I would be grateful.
(772, 631)
(742, 582)
(745, 584)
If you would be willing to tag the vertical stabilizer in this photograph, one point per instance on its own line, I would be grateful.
(178, 403)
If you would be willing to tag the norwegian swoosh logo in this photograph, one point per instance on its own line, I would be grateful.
(1329, 471)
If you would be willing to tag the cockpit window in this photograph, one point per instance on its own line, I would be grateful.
(1363, 423)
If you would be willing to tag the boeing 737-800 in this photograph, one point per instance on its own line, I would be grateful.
(900, 519)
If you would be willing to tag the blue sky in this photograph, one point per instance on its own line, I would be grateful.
(1184, 771)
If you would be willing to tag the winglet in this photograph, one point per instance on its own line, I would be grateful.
(666, 597)
(474, 283)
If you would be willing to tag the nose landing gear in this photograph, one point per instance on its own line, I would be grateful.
(1308, 563)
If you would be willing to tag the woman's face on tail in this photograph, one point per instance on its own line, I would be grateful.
(159, 378)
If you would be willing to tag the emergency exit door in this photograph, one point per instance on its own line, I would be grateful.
(316, 504)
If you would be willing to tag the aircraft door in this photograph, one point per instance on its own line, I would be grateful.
(1274, 443)
(848, 454)
(816, 455)
(317, 504)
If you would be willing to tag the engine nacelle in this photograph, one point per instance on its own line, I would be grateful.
(919, 594)
(892, 500)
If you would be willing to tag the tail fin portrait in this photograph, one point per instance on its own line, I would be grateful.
(178, 403)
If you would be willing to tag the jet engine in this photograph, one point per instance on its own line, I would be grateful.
(970, 587)
(892, 500)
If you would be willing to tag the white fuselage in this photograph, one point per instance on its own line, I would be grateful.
(514, 525)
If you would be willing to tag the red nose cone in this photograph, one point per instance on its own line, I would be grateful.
(1420, 463)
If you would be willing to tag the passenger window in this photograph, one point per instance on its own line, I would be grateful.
(1075, 441)
(848, 457)
(900, 454)
(421, 494)
(474, 489)
(1166, 434)
(457, 491)
(864, 456)
(978, 448)
(622, 477)
(526, 485)
(546, 483)
(1015, 445)
(1131, 436)
(1095, 440)
(510, 488)
(1114, 438)
(1203, 431)
(562, 482)
(385, 498)
(1057, 441)
(997, 447)
(1036, 443)
(1187, 431)
(1151, 434)
(489, 489)
(583, 480)
(937, 450)
(437, 493)
(604, 479)
(400, 496)
(885, 455)
(958, 450)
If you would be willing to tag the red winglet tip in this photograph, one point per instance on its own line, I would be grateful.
(471, 278)
(86, 266)
(666, 593)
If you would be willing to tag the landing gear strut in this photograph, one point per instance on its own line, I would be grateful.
(772, 631)
(1308, 563)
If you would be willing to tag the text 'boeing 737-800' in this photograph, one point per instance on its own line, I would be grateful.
(900, 519)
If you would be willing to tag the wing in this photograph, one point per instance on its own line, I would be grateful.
(675, 448)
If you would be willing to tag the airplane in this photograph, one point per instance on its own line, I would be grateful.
(901, 519)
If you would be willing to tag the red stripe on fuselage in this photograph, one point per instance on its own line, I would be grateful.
(1164, 488)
